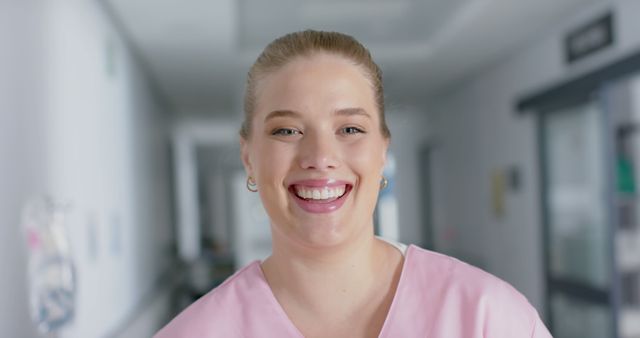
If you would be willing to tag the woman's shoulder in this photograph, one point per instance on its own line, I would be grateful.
(437, 268)
(218, 310)
(458, 290)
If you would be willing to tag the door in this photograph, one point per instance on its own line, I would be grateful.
(576, 196)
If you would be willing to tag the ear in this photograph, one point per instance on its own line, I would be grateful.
(244, 154)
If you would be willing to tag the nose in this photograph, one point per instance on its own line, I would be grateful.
(318, 151)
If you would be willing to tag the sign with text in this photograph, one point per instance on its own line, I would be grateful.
(589, 38)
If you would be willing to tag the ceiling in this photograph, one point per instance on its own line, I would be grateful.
(199, 51)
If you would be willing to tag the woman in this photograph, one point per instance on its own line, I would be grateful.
(313, 143)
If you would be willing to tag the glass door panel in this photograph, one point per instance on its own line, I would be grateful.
(575, 318)
(576, 196)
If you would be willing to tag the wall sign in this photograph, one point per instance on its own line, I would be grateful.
(589, 38)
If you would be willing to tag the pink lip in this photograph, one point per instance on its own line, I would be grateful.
(318, 207)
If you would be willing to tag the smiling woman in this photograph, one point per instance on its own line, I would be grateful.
(314, 144)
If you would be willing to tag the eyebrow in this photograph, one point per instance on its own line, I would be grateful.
(352, 111)
(281, 113)
(292, 113)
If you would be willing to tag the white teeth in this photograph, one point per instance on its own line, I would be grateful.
(320, 193)
(325, 193)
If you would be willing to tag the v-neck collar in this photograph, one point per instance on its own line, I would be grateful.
(387, 321)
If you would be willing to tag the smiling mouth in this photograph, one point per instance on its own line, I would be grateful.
(320, 194)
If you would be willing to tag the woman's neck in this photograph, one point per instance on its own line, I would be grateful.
(336, 284)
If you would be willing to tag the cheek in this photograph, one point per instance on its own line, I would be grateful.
(367, 157)
(273, 160)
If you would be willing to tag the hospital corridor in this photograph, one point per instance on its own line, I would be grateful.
(515, 147)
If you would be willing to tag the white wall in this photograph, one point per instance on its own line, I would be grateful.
(109, 144)
(86, 128)
(21, 155)
(477, 131)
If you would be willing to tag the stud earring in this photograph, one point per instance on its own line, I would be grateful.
(384, 182)
(251, 184)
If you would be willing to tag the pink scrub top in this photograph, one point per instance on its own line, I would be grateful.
(437, 297)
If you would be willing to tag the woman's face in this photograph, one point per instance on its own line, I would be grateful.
(316, 150)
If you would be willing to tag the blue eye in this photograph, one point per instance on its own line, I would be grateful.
(285, 132)
(352, 130)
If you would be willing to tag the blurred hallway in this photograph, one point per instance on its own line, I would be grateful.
(510, 150)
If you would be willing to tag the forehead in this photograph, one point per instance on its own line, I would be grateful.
(321, 82)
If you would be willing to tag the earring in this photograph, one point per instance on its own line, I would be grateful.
(251, 184)
(384, 182)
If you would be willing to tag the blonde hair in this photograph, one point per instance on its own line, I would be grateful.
(286, 48)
